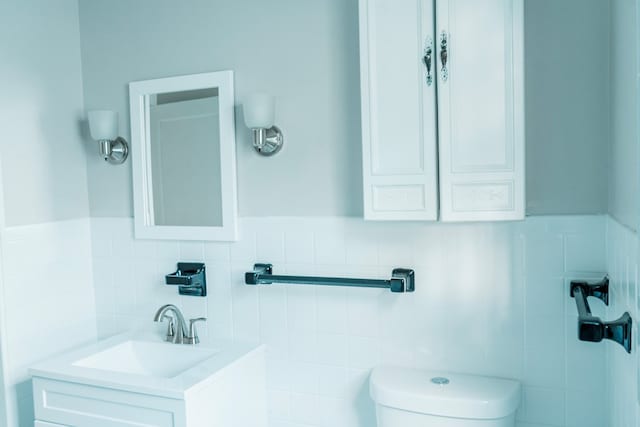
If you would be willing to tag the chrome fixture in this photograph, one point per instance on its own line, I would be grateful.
(592, 328)
(444, 55)
(190, 279)
(103, 125)
(259, 116)
(427, 58)
(192, 338)
(402, 279)
(176, 329)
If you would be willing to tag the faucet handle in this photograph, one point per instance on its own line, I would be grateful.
(171, 327)
(193, 333)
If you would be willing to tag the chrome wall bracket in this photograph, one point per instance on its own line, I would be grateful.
(190, 279)
(590, 327)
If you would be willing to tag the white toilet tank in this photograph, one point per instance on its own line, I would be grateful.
(416, 398)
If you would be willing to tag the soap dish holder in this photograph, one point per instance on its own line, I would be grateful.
(190, 279)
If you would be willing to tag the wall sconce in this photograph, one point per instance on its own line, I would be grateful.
(103, 125)
(259, 115)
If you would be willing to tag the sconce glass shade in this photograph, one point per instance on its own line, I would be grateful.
(103, 125)
(259, 111)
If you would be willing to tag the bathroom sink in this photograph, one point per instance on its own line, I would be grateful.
(145, 363)
(155, 359)
(142, 380)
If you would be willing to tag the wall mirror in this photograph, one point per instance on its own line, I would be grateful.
(183, 157)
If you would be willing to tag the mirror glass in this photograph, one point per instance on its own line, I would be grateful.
(181, 124)
(184, 157)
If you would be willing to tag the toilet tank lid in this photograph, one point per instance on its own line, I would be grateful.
(464, 396)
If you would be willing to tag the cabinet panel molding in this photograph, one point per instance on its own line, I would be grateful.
(398, 198)
(486, 197)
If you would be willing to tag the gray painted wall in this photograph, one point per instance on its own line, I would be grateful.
(310, 62)
(44, 180)
(43, 156)
(305, 53)
(567, 105)
(623, 150)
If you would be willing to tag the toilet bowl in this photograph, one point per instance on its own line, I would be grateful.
(418, 398)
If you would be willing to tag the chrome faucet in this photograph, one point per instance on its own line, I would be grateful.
(176, 330)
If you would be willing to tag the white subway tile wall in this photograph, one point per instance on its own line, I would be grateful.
(47, 302)
(490, 299)
(622, 368)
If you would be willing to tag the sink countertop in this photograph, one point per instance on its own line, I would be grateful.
(62, 367)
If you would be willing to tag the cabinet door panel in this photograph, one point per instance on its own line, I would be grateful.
(480, 108)
(80, 405)
(398, 110)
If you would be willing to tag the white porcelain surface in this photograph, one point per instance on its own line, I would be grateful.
(391, 417)
(464, 396)
(143, 363)
(155, 359)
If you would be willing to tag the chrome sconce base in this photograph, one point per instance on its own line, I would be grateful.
(114, 152)
(268, 142)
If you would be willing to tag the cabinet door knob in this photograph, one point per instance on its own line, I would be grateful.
(444, 55)
(427, 59)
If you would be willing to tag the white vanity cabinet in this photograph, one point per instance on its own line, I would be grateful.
(442, 85)
(139, 380)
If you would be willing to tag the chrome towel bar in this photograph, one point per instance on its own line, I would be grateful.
(402, 279)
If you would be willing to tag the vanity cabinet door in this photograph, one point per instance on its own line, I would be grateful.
(398, 110)
(481, 109)
(63, 403)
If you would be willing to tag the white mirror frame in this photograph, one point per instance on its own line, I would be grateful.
(141, 155)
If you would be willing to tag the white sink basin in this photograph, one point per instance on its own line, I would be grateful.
(144, 363)
(137, 379)
(155, 359)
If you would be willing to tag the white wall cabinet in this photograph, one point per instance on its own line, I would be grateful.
(442, 109)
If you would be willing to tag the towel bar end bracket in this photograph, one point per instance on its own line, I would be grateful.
(598, 290)
(251, 278)
(403, 280)
(592, 328)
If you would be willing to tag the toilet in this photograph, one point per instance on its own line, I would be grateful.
(419, 398)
